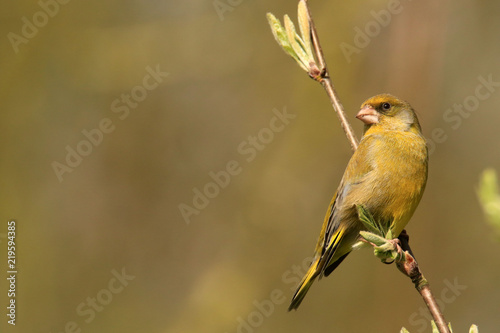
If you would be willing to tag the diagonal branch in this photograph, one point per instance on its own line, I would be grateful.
(300, 48)
(411, 269)
(326, 82)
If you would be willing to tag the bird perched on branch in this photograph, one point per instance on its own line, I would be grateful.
(386, 175)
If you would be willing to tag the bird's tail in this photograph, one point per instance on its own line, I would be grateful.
(304, 285)
(318, 267)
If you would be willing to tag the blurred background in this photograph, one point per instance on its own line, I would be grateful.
(152, 192)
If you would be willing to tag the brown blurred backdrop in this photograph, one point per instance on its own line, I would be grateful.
(114, 114)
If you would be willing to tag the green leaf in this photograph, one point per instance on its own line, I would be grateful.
(373, 238)
(380, 237)
(368, 221)
(281, 36)
(404, 330)
(277, 29)
(296, 43)
(305, 28)
(474, 329)
(298, 47)
(389, 234)
(489, 197)
(489, 185)
(434, 327)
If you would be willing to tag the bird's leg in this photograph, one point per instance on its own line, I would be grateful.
(405, 242)
(396, 246)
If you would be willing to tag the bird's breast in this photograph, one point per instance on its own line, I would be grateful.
(398, 177)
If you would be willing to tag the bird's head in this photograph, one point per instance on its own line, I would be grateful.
(389, 112)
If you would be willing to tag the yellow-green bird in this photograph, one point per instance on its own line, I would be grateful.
(386, 174)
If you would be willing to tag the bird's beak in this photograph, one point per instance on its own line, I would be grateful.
(368, 115)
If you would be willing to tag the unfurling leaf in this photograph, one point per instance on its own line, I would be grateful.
(298, 47)
(373, 238)
(305, 27)
(368, 221)
(489, 197)
(474, 329)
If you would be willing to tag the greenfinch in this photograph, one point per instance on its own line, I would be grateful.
(386, 175)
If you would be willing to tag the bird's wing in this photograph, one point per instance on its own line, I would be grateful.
(333, 229)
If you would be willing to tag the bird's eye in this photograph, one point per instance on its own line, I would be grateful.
(386, 106)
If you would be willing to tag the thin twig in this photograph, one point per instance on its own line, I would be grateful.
(411, 269)
(326, 82)
(430, 301)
